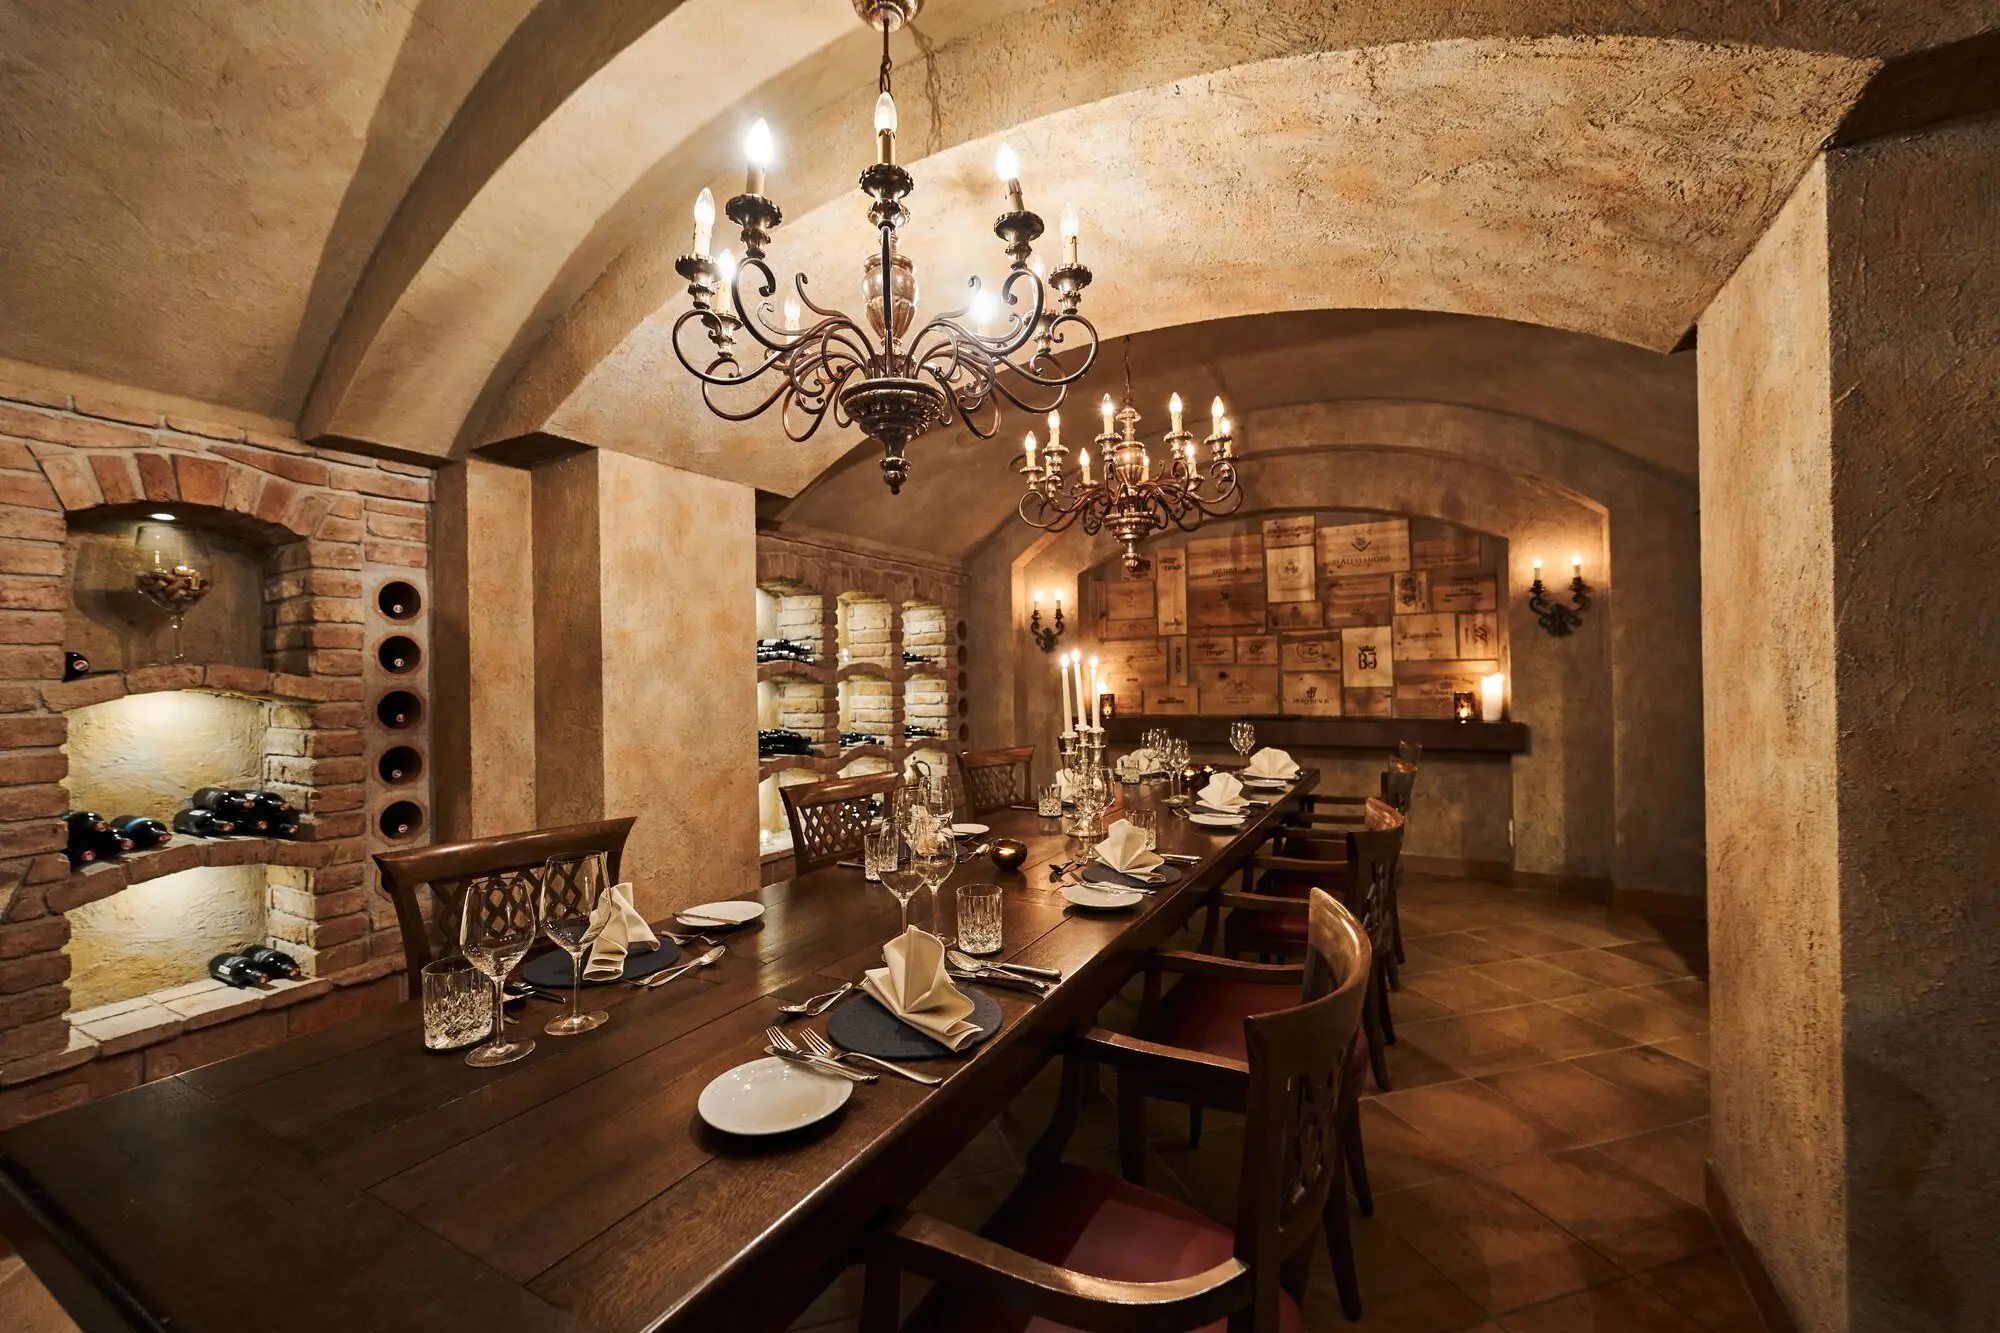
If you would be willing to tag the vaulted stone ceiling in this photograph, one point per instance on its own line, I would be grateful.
(430, 224)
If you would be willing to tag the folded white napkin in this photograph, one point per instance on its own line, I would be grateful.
(1271, 763)
(1146, 760)
(616, 929)
(927, 832)
(914, 988)
(1124, 848)
(1223, 792)
(1066, 779)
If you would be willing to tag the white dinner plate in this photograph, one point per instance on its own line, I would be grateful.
(1099, 898)
(736, 912)
(970, 830)
(1216, 821)
(771, 1096)
(1267, 784)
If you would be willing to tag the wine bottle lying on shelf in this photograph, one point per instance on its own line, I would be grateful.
(86, 842)
(223, 801)
(235, 970)
(205, 824)
(272, 963)
(75, 665)
(140, 833)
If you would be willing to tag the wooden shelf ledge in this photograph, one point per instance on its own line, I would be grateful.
(101, 879)
(103, 686)
(1438, 735)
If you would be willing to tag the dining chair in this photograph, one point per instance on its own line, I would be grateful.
(1073, 1247)
(996, 779)
(828, 819)
(507, 862)
(1363, 878)
(1397, 786)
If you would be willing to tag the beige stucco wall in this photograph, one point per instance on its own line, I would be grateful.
(145, 754)
(1767, 652)
(1848, 415)
(163, 932)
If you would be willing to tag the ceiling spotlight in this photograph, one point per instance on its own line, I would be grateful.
(161, 518)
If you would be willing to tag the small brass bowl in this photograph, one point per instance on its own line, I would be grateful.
(1008, 854)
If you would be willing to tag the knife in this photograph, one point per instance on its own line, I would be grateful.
(798, 1058)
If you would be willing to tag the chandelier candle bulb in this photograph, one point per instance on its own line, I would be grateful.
(704, 221)
(1055, 431)
(791, 314)
(1083, 462)
(1030, 448)
(1576, 565)
(1069, 231)
(885, 130)
(725, 275)
(1174, 411)
(1008, 167)
(1109, 411)
(758, 149)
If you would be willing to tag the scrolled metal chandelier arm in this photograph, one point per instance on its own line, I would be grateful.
(908, 382)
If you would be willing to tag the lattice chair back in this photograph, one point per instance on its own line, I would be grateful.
(1373, 854)
(996, 779)
(1399, 787)
(828, 819)
(450, 869)
(1291, 1145)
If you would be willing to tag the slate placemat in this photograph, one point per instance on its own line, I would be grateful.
(551, 970)
(1104, 874)
(860, 1023)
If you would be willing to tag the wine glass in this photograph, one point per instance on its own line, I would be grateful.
(933, 869)
(174, 572)
(903, 880)
(497, 924)
(1242, 739)
(572, 889)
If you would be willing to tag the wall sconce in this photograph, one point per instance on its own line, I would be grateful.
(1107, 705)
(1557, 619)
(1045, 638)
(1463, 707)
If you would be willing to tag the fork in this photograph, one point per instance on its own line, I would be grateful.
(819, 1045)
(781, 1045)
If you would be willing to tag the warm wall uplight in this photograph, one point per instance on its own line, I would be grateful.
(162, 518)
(1557, 619)
(1045, 636)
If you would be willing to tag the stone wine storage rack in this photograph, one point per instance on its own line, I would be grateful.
(859, 607)
(339, 538)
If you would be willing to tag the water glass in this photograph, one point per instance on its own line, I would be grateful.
(458, 1005)
(573, 887)
(979, 918)
(1148, 823)
(1049, 803)
(1242, 738)
(878, 850)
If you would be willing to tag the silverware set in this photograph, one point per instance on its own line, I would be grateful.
(809, 1048)
(662, 978)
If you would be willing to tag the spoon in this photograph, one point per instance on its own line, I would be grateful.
(965, 962)
(815, 1005)
(664, 977)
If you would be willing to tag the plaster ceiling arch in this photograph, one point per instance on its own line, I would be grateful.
(808, 74)
(1606, 186)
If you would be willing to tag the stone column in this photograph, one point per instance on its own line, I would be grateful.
(1851, 656)
(645, 683)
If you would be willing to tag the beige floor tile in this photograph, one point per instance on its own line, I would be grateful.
(1469, 1044)
(1694, 1050)
(1624, 1217)
(1671, 1158)
(1653, 1073)
(1643, 1020)
(1664, 957)
(1475, 1124)
(1400, 1155)
(1463, 993)
(1708, 1289)
(1562, 1034)
(1529, 941)
(1494, 1248)
(1593, 927)
(1435, 953)
(25, 1304)
(1537, 978)
(1607, 968)
(1687, 994)
(1584, 1107)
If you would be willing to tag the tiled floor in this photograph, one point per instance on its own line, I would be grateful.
(1537, 1165)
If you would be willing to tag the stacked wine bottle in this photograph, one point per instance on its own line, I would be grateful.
(234, 812)
(783, 650)
(778, 740)
(254, 966)
(93, 838)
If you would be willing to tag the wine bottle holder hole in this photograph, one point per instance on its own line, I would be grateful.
(399, 600)
(401, 819)
(399, 654)
(399, 710)
(400, 764)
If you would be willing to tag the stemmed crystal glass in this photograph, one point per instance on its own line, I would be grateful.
(933, 868)
(1175, 755)
(173, 573)
(572, 888)
(1242, 739)
(497, 924)
(903, 880)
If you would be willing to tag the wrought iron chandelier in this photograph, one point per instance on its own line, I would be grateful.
(1130, 499)
(893, 384)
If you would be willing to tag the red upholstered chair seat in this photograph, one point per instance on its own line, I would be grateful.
(1206, 1014)
(1101, 1225)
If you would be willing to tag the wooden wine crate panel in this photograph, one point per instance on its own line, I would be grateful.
(1172, 701)
(1287, 532)
(1412, 594)
(1257, 650)
(1461, 669)
(1478, 634)
(1230, 606)
(1367, 659)
(1425, 698)
(1365, 548)
(1129, 629)
(1310, 652)
(1211, 649)
(1312, 693)
(1290, 574)
(1428, 638)
(1357, 600)
(1446, 551)
(1170, 590)
(1130, 600)
(1295, 615)
(1237, 689)
(1368, 703)
(1177, 659)
(1464, 593)
(1220, 561)
(1141, 660)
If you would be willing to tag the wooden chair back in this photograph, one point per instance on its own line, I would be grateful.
(1373, 856)
(829, 818)
(1398, 786)
(515, 859)
(996, 779)
(1291, 1154)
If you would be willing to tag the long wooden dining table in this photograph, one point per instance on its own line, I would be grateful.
(350, 1180)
